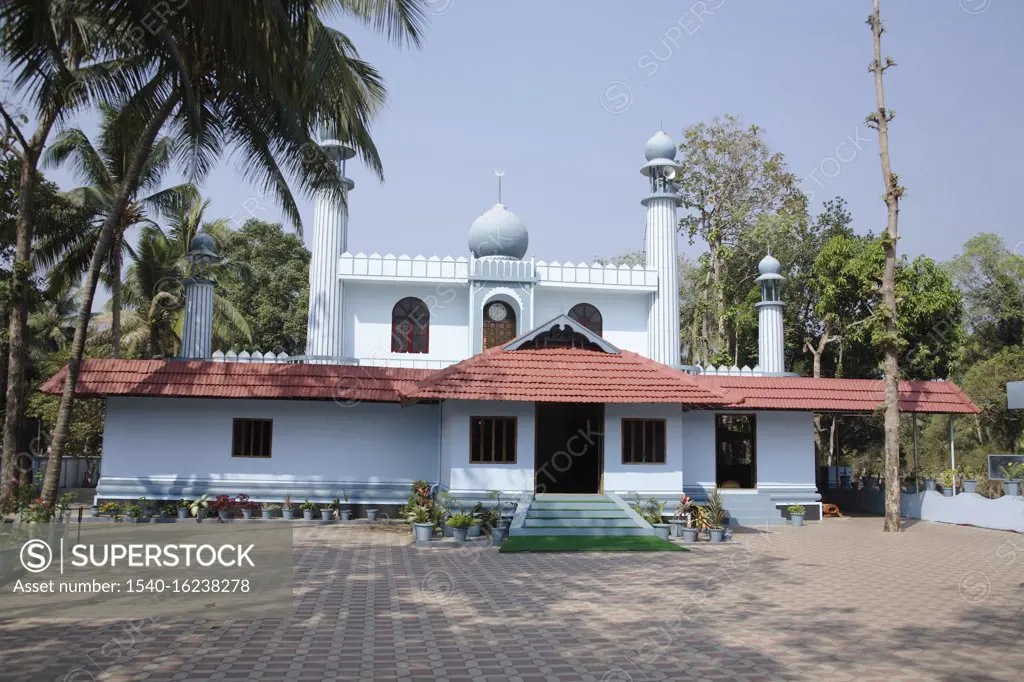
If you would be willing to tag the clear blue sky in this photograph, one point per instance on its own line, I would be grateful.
(562, 96)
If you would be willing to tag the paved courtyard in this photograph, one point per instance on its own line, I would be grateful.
(837, 600)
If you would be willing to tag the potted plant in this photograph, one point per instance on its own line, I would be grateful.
(146, 506)
(929, 473)
(245, 504)
(134, 513)
(94, 511)
(681, 516)
(307, 508)
(714, 517)
(111, 509)
(1012, 475)
(200, 507)
(460, 523)
(422, 522)
(651, 510)
(445, 506)
(797, 512)
(969, 475)
(287, 508)
(948, 480)
(183, 506)
(169, 511)
(223, 506)
(344, 512)
(267, 509)
(327, 513)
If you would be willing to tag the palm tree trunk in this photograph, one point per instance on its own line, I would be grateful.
(21, 295)
(115, 294)
(128, 187)
(881, 118)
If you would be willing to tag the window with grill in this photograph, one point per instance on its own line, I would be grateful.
(252, 437)
(492, 440)
(410, 326)
(589, 316)
(643, 441)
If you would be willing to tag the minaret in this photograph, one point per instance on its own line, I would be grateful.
(324, 325)
(770, 342)
(197, 327)
(660, 249)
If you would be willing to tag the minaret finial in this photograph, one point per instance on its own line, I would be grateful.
(500, 174)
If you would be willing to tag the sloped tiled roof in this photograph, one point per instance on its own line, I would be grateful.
(570, 375)
(200, 379)
(551, 374)
(838, 395)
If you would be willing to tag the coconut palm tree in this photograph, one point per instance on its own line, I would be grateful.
(103, 168)
(260, 78)
(154, 293)
(58, 60)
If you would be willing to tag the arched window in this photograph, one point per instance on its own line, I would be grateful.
(589, 316)
(499, 324)
(410, 326)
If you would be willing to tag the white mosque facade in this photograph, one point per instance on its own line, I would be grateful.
(486, 371)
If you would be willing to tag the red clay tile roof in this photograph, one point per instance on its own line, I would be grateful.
(838, 395)
(554, 374)
(566, 375)
(198, 379)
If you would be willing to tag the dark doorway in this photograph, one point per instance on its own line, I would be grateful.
(736, 445)
(569, 452)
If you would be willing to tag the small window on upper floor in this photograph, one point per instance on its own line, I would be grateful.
(410, 326)
(589, 316)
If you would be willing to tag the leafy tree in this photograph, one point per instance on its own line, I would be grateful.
(103, 169)
(992, 280)
(273, 295)
(1000, 428)
(729, 182)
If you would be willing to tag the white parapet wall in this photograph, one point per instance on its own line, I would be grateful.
(971, 509)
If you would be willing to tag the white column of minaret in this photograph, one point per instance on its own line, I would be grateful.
(662, 255)
(770, 356)
(197, 329)
(324, 328)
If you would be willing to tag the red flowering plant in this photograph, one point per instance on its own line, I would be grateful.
(223, 503)
(685, 508)
(38, 511)
(243, 501)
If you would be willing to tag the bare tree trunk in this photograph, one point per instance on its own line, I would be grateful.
(21, 296)
(128, 186)
(115, 294)
(890, 342)
(817, 350)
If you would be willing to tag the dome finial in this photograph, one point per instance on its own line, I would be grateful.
(499, 174)
(660, 146)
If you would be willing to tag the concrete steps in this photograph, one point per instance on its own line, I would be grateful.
(578, 515)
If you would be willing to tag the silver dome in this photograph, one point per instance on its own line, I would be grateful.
(660, 146)
(769, 265)
(498, 233)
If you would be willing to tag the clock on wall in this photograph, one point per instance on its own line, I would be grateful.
(496, 312)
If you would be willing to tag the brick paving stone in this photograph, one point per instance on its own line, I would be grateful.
(837, 600)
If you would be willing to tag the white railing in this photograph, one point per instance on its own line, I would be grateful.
(245, 356)
(503, 270)
(359, 265)
(595, 273)
(410, 363)
(733, 371)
